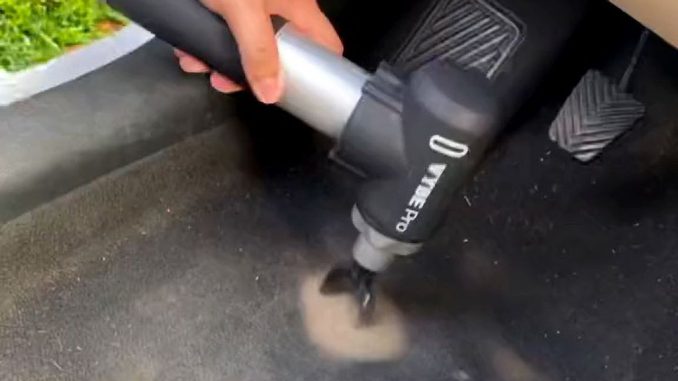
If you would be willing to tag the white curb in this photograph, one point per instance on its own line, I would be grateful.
(24, 84)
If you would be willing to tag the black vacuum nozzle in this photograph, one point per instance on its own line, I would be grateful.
(356, 280)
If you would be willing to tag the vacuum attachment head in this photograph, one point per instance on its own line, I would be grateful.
(356, 280)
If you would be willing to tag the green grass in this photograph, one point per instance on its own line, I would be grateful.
(35, 31)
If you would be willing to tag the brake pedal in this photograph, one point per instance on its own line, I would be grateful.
(597, 112)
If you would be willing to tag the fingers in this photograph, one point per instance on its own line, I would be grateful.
(223, 84)
(250, 23)
(251, 26)
(190, 64)
(309, 19)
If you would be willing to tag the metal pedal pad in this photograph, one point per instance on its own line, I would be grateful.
(595, 114)
(476, 34)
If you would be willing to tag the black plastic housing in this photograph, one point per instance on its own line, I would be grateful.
(417, 142)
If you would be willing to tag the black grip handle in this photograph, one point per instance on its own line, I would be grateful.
(189, 26)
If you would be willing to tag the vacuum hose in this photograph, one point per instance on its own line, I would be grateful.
(321, 88)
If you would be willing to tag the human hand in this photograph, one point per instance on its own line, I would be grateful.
(250, 23)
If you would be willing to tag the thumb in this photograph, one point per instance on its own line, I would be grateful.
(251, 26)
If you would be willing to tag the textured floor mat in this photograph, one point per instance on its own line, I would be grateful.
(474, 34)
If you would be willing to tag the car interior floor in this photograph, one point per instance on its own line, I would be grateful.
(195, 262)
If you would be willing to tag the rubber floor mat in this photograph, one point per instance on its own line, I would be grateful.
(474, 34)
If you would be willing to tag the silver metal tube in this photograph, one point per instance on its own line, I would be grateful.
(321, 88)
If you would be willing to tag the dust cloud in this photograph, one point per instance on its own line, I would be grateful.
(332, 326)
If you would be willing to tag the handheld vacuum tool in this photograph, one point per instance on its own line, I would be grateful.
(416, 139)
